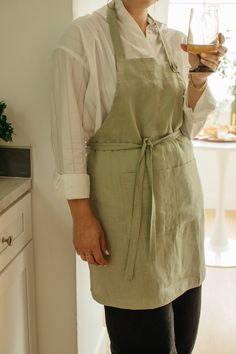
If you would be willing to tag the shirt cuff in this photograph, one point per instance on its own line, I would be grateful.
(205, 105)
(195, 120)
(71, 186)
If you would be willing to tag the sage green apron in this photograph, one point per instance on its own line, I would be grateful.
(145, 188)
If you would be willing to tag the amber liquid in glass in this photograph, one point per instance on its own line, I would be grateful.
(201, 48)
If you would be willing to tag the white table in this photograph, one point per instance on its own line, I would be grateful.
(220, 249)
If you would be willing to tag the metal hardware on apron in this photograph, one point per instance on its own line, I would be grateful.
(130, 128)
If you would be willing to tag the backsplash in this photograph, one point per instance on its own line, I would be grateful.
(15, 161)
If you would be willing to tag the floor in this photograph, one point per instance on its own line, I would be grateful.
(217, 329)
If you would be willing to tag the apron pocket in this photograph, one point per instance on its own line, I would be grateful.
(189, 194)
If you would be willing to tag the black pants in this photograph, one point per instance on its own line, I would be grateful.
(169, 329)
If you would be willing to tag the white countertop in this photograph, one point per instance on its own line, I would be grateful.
(11, 188)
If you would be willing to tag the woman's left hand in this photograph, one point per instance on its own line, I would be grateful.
(212, 60)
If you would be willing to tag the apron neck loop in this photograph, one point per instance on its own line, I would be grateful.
(115, 33)
(171, 61)
(116, 39)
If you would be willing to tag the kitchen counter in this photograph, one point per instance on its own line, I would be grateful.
(12, 188)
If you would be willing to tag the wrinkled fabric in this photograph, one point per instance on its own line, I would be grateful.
(84, 82)
(145, 187)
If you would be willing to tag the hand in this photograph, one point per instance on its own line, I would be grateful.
(212, 60)
(89, 240)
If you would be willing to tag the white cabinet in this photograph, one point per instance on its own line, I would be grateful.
(17, 294)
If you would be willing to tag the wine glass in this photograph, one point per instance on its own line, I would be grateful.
(203, 33)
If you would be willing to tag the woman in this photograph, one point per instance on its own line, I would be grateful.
(123, 115)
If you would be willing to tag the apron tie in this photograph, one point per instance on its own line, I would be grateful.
(145, 160)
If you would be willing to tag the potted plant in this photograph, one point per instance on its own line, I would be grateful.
(6, 130)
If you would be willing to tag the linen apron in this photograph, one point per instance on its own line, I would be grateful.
(145, 188)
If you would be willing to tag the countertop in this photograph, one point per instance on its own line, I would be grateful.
(12, 188)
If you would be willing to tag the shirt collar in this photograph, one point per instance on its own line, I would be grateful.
(128, 21)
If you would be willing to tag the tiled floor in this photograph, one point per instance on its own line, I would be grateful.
(217, 329)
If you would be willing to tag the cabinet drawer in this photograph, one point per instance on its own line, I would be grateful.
(15, 227)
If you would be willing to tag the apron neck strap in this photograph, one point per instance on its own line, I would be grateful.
(117, 43)
(168, 54)
(115, 33)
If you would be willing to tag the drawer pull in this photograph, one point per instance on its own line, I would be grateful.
(8, 240)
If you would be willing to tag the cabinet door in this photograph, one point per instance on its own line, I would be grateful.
(15, 223)
(17, 306)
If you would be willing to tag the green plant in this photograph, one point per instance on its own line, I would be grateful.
(6, 130)
(227, 69)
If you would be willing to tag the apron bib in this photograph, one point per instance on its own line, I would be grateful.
(144, 187)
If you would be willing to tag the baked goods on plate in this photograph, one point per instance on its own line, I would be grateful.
(218, 133)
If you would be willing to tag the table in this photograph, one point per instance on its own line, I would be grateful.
(220, 249)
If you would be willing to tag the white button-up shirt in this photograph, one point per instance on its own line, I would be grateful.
(83, 86)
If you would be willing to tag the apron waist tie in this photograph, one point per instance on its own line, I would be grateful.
(144, 160)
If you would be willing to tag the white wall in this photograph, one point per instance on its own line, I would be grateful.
(29, 30)
(160, 10)
(81, 8)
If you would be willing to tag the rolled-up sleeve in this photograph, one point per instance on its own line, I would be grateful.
(194, 121)
(68, 87)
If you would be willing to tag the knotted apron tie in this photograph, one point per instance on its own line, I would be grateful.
(145, 160)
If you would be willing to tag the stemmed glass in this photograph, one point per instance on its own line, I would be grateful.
(203, 33)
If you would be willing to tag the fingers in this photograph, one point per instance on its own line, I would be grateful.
(90, 259)
(210, 64)
(210, 60)
(184, 46)
(95, 256)
(221, 38)
(99, 257)
(221, 51)
(103, 244)
(82, 256)
(89, 242)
